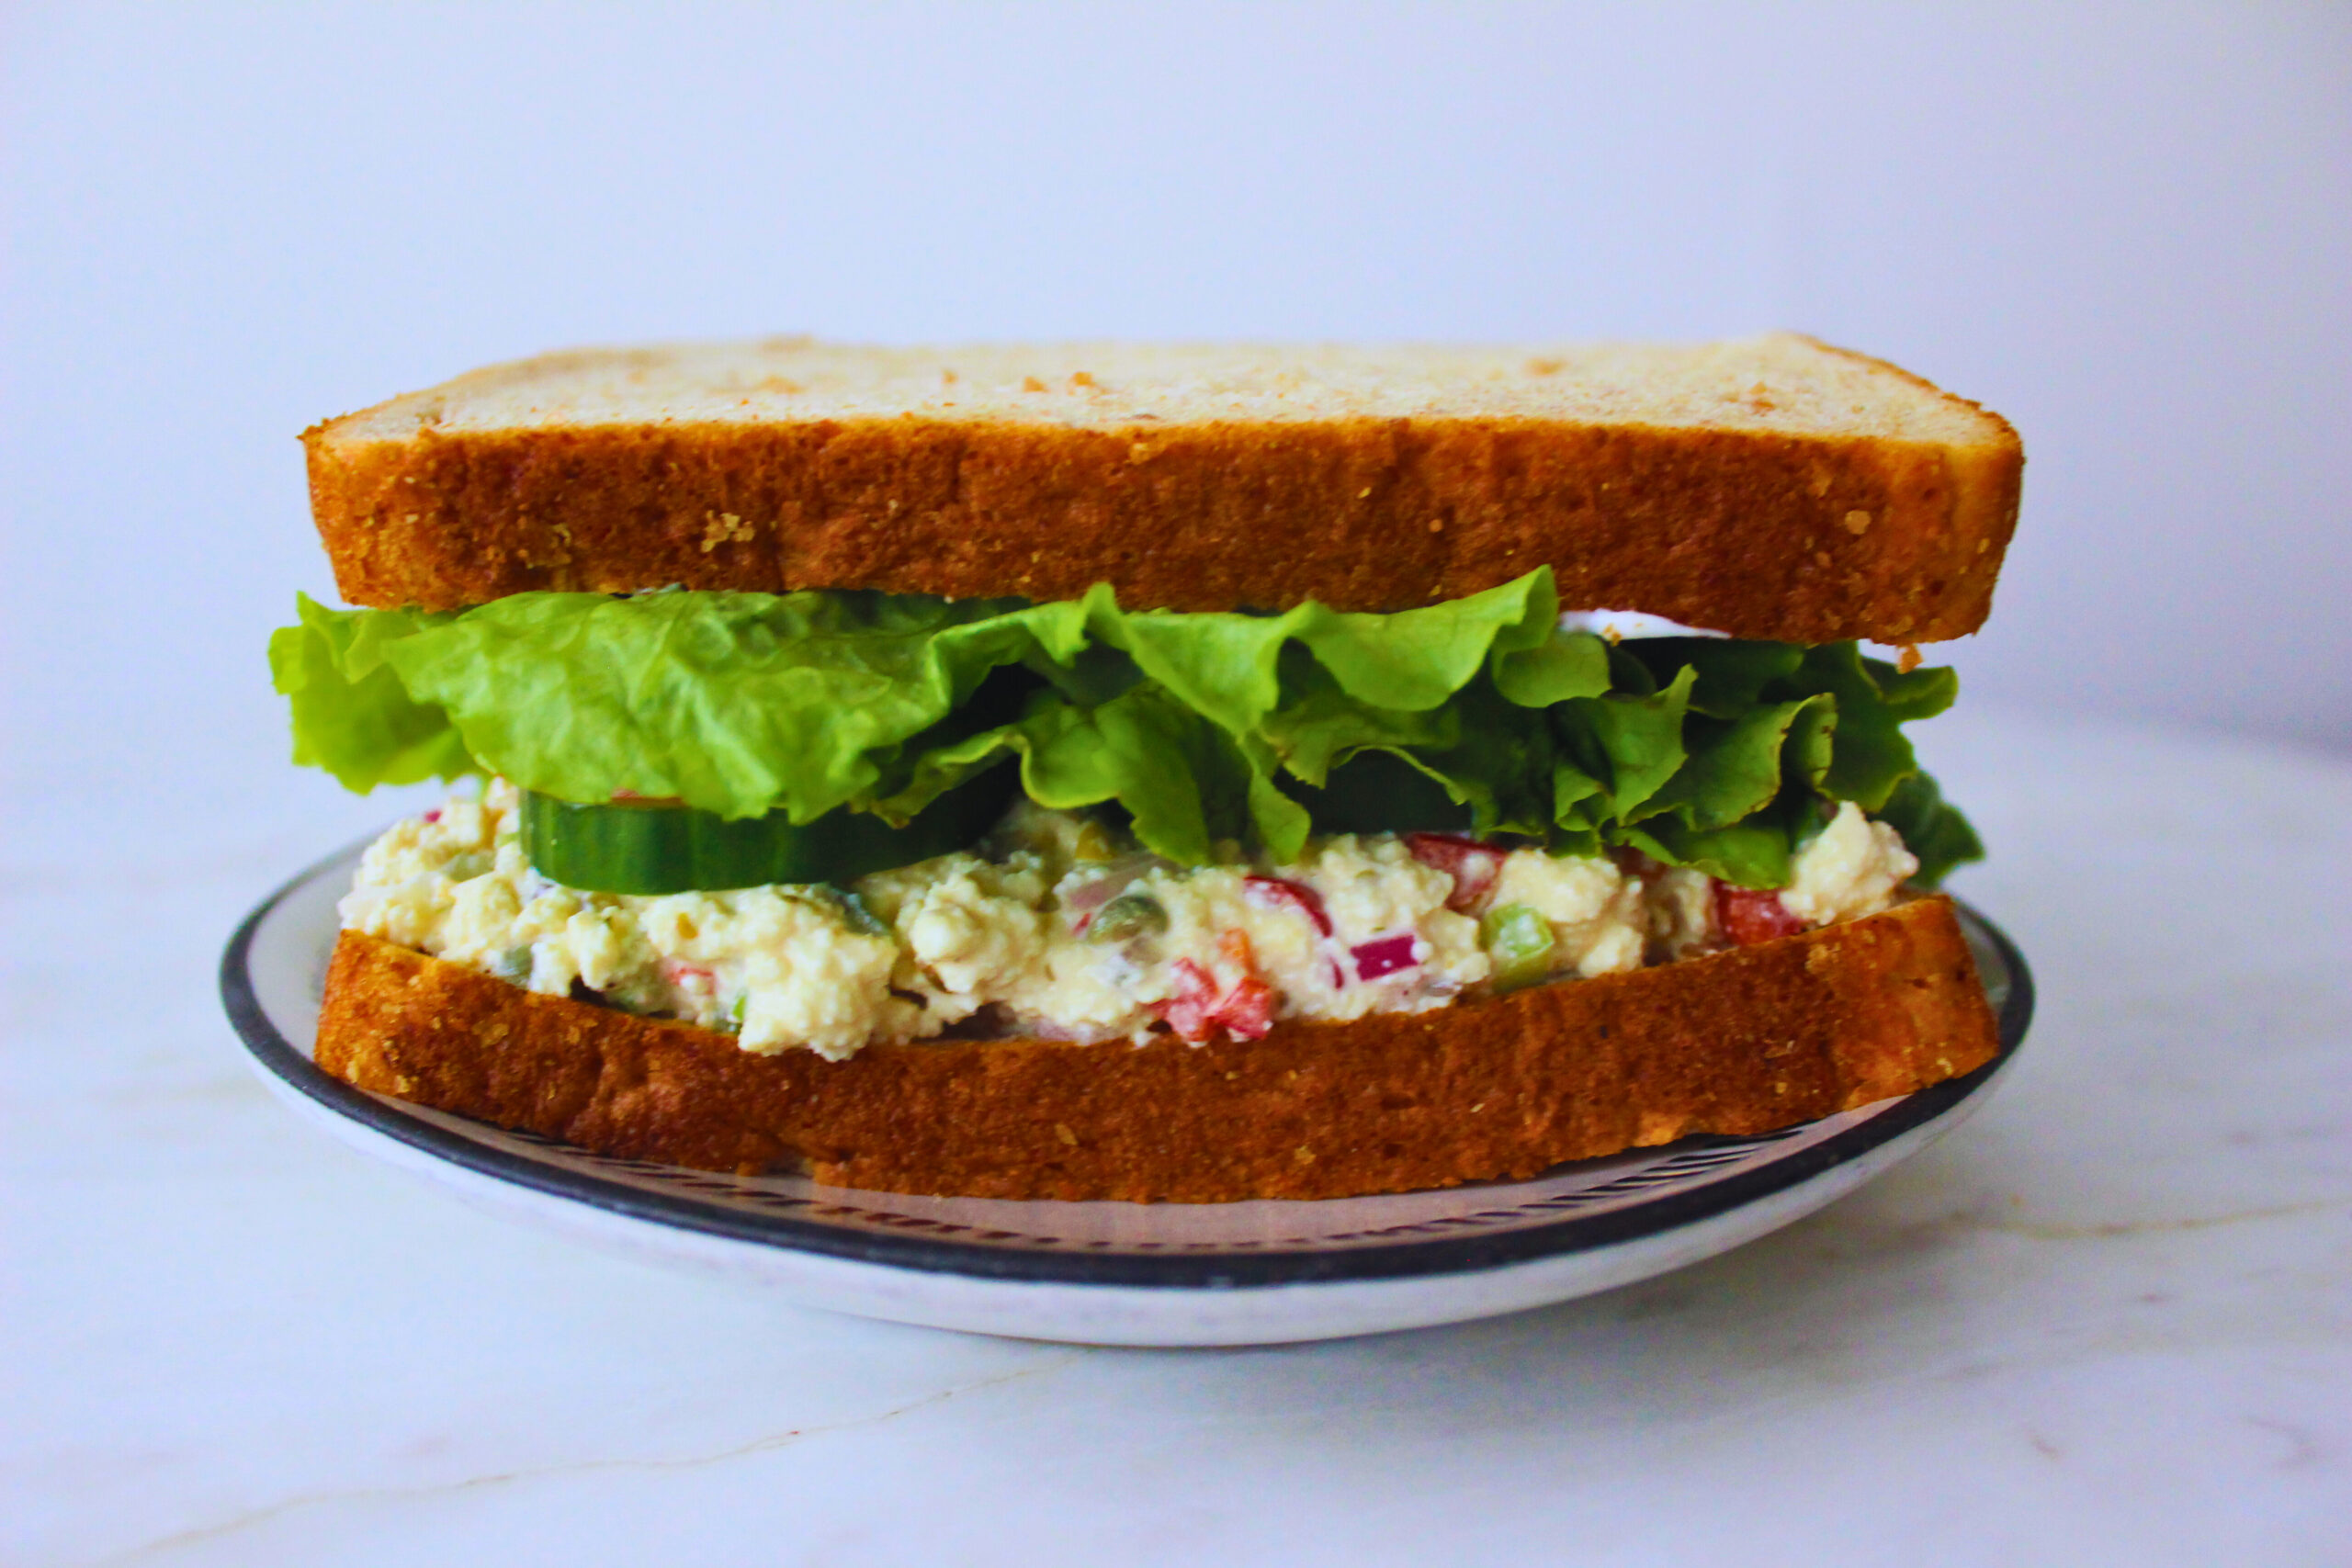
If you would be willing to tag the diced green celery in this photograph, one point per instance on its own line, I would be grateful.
(1520, 941)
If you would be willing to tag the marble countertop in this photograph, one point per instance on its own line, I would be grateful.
(2110, 1320)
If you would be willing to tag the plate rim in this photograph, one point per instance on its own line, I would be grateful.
(1113, 1264)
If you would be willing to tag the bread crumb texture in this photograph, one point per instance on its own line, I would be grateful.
(1739, 1043)
(1717, 484)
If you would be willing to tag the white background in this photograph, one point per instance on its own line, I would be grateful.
(2108, 1321)
(2129, 228)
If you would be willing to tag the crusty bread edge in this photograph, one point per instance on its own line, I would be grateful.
(1987, 484)
(1740, 1043)
(1759, 534)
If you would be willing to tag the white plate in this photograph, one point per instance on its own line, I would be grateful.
(1110, 1273)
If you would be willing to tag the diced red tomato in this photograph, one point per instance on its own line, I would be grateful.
(1275, 891)
(1749, 915)
(1189, 1011)
(1248, 1009)
(1473, 865)
(1199, 1009)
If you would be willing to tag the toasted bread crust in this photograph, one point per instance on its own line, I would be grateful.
(1737, 1043)
(1759, 532)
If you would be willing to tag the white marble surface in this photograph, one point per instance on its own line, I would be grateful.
(2107, 1321)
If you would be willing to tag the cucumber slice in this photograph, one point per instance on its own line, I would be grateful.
(640, 847)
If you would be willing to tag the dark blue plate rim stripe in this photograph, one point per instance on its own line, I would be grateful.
(1186, 1271)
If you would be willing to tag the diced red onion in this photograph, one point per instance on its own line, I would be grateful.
(1071, 1033)
(1387, 954)
(1275, 891)
(1473, 865)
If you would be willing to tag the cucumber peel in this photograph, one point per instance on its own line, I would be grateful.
(644, 847)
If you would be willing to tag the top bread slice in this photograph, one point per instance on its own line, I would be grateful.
(1771, 487)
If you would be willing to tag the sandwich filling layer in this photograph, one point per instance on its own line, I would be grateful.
(1060, 925)
(826, 819)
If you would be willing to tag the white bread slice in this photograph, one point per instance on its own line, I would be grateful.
(1739, 1042)
(1770, 487)
(1781, 384)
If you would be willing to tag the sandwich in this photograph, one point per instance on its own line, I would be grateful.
(1177, 774)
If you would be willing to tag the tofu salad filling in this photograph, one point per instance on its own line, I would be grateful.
(1056, 925)
(828, 817)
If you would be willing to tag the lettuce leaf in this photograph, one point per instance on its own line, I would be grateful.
(1473, 714)
(353, 715)
(1932, 829)
(739, 704)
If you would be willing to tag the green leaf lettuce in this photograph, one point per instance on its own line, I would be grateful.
(1475, 714)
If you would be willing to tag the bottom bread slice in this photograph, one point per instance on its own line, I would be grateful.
(1740, 1041)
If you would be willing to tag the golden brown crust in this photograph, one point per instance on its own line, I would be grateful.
(1803, 538)
(1737, 1043)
